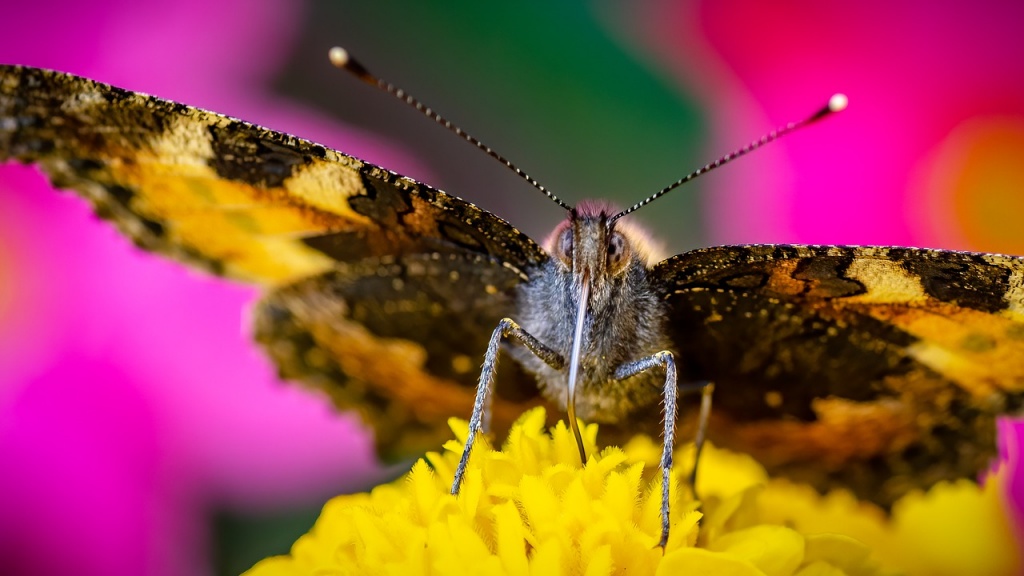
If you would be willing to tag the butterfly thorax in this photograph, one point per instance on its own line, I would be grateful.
(624, 320)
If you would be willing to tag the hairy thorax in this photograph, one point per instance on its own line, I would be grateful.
(624, 324)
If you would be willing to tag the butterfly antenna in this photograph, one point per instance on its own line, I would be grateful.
(835, 104)
(340, 58)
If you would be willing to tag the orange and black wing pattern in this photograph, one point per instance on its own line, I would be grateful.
(379, 250)
(879, 369)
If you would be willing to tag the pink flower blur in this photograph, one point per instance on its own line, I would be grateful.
(1011, 455)
(131, 397)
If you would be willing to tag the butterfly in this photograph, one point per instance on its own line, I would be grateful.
(877, 369)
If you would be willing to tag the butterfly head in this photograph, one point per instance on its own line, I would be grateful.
(594, 248)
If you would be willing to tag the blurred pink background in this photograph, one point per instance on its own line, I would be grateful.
(132, 403)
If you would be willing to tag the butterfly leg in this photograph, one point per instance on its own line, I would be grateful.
(706, 391)
(666, 360)
(507, 330)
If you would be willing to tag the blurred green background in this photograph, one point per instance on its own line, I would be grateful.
(547, 85)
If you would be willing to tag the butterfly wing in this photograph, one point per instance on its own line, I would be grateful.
(295, 217)
(400, 340)
(878, 369)
(228, 196)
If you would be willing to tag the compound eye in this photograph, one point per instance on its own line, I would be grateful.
(565, 246)
(618, 252)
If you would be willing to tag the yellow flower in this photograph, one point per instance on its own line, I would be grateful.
(530, 508)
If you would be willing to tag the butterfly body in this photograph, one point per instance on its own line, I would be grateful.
(872, 368)
(624, 316)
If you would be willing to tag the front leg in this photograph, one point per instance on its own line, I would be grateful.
(670, 390)
(507, 330)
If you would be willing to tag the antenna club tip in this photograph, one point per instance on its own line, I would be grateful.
(339, 56)
(838, 102)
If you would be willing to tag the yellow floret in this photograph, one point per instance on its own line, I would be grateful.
(531, 508)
